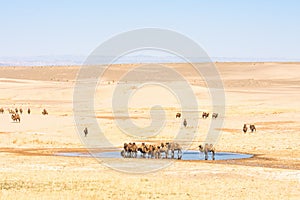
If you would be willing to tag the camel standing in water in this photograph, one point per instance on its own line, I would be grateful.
(252, 128)
(130, 150)
(144, 149)
(208, 148)
(245, 128)
(173, 146)
(162, 149)
(1, 110)
(15, 117)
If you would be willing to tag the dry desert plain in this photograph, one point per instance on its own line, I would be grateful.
(265, 94)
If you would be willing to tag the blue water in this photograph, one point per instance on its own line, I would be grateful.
(187, 155)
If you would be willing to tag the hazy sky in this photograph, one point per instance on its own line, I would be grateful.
(251, 29)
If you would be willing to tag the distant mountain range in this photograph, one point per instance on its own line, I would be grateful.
(78, 60)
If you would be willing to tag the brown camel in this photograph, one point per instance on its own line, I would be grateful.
(245, 128)
(178, 115)
(252, 128)
(205, 115)
(45, 112)
(15, 117)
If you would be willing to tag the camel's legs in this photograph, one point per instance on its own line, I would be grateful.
(206, 155)
(179, 154)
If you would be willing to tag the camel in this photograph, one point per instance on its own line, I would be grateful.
(85, 131)
(133, 150)
(126, 151)
(162, 149)
(173, 146)
(215, 115)
(28, 111)
(45, 112)
(1, 110)
(245, 128)
(21, 110)
(205, 115)
(16, 109)
(208, 148)
(252, 128)
(184, 123)
(152, 151)
(178, 115)
(143, 149)
(11, 111)
(15, 117)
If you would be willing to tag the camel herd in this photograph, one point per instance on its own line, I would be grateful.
(15, 116)
(215, 116)
(163, 150)
(204, 115)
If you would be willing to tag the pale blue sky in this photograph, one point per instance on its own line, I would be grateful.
(250, 28)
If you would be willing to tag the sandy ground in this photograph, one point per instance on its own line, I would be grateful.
(265, 94)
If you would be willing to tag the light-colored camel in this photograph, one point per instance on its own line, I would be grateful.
(215, 115)
(173, 146)
(208, 148)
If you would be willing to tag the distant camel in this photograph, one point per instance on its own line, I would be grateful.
(205, 115)
(28, 111)
(215, 115)
(45, 112)
(245, 128)
(85, 131)
(184, 123)
(1, 110)
(21, 110)
(15, 117)
(173, 146)
(208, 148)
(11, 111)
(16, 109)
(178, 115)
(252, 128)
